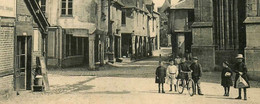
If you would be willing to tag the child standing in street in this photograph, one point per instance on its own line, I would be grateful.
(171, 73)
(226, 80)
(160, 76)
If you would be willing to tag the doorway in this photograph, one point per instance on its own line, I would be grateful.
(23, 61)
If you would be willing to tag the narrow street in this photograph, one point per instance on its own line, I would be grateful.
(133, 84)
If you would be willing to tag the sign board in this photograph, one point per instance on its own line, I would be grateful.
(44, 73)
(8, 8)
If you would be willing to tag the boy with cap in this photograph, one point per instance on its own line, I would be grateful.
(196, 74)
(160, 76)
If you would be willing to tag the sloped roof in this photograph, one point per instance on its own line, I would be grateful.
(129, 3)
(165, 6)
(148, 2)
(184, 4)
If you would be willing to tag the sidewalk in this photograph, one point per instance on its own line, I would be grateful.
(165, 52)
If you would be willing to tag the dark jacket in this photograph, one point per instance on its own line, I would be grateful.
(241, 67)
(183, 67)
(197, 70)
(226, 81)
(160, 74)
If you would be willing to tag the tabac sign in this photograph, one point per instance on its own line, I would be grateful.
(8, 8)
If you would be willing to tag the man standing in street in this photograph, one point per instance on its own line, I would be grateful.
(241, 70)
(160, 76)
(172, 72)
(196, 74)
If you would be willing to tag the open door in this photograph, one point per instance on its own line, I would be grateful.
(23, 61)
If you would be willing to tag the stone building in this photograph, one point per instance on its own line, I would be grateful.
(23, 38)
(114, 30)
(7, 38)
(139, 29)
(181, 17)
(165, 38)
(71, 42)
(31, 40)
(86, 32)
(220, 30)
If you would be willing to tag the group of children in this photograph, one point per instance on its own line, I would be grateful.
(173, 71)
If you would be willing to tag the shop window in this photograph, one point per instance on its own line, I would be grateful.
(80, 46)
(68, 44)
(74, 45)
(66, 7)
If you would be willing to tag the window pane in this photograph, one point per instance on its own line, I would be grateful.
(70, 11)
(43, 8)
(63, 11)
(123, 17)
(70, 4)
(73, 46)
(70, 0)
(43, 2)
(67, 44)
(63, 0)
(63, 5)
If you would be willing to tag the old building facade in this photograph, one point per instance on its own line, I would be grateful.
(23, 38)
(140, 29)
(7, 38)
(220, 29)
(72, 41)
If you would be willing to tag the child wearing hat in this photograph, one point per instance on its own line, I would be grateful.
(241, 70)
(226, 80)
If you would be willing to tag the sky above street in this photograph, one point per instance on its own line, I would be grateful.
(159, 3)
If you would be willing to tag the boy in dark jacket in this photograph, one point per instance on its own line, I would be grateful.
(196, 74)
(160, 76)
(226, 80)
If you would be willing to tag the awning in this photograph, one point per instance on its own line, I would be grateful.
(77, 32)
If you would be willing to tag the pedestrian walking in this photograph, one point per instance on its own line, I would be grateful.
(241, 79)
(160, 76)
(172, 72)
(196, 75)
(226, 80)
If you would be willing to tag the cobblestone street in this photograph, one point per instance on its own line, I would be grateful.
(125, 85)
(117, 90)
